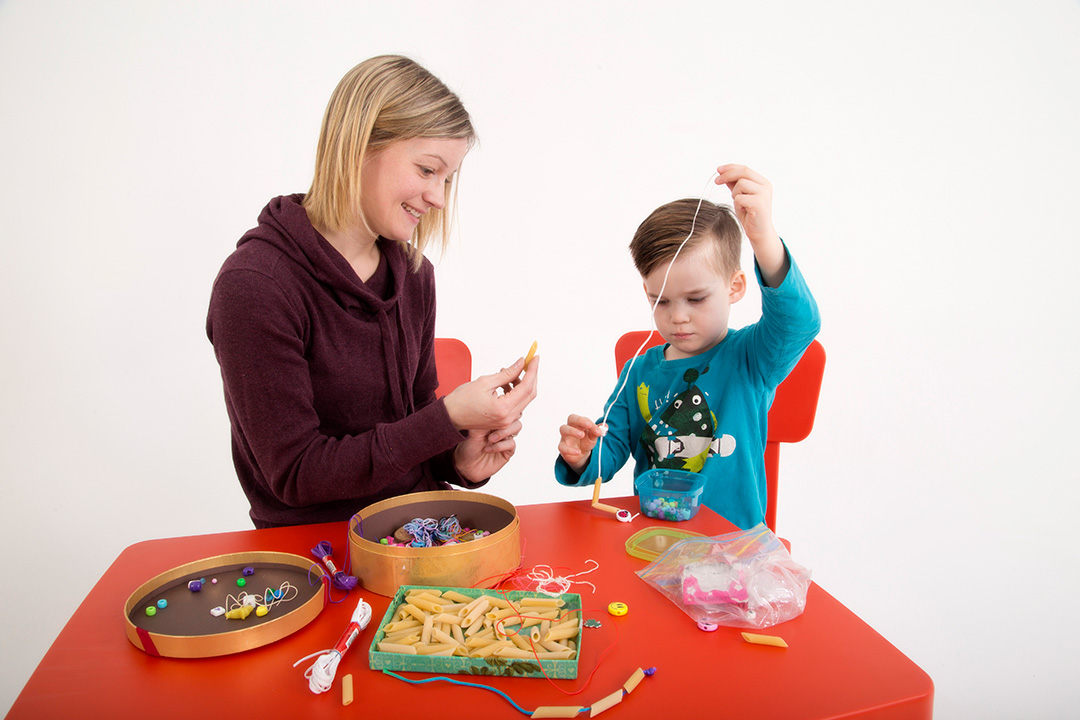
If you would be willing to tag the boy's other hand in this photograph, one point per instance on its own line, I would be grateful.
(577, 438)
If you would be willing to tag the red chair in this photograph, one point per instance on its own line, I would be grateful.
(453, 364)
(791, 417)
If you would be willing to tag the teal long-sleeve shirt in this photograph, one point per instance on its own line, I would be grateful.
(709, 413)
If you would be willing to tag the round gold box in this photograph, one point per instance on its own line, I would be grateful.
(476, 563)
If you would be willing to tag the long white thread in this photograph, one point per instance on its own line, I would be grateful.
(652, 329)
(320, 675)
(545, 579)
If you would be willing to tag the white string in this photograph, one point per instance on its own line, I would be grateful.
(320, 675)
(652, 329)
(544, 578)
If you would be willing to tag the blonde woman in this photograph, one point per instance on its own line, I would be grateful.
(323, 318)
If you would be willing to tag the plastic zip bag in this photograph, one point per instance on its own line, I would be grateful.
(742, 579)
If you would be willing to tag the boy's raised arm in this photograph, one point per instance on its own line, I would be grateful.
(751, 196)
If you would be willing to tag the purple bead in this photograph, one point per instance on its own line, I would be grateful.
(195, 585)
(249, 571)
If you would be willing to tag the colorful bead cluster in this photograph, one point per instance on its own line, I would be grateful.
(674, 509)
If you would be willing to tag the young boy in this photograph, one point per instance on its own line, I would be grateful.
(701, 401)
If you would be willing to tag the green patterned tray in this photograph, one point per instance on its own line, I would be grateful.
(459, 665)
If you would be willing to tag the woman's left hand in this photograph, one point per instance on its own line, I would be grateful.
(483, 453)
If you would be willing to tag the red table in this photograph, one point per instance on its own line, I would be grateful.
(836, 665)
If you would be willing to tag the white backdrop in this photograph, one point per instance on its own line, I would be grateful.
(924, 157)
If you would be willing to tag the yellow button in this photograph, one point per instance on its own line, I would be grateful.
(618, 608)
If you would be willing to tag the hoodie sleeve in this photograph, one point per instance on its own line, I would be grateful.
(259, 331)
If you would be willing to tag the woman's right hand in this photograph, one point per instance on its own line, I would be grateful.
(493, 401)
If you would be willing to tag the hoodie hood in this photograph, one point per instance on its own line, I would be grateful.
(284, 224)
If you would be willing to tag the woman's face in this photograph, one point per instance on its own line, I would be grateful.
(407, 179)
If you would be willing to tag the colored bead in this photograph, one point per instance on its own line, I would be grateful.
(240, 613)
(707, 626)
(249, 571)
(162, 603)
(591, 623)
(241, 582)
(262, 610)
(195, 585)
(618, 608)
(218, 611)
(214, 581)
(151, 611)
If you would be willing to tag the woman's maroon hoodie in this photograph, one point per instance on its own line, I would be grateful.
(329, 381)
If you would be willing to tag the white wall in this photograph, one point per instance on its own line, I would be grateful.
(924, 156)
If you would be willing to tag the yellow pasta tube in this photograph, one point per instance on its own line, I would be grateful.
(410, 609)
(572, 622)
(519, 654)
(764, 639)
(481, 639)
(401, 625)
(487, 650)
(541, 601)
(632, 683)
(425, 604)
(405, 637)
(610, 701)
(456, 596)
(346, 690)
(395, 648)
(499, 601)
(476, 612)
(467, 610)
(565, 633)
(501, 613)
(449, 619)
(456, 631)
(552, 646)
(556, 711)
(435, 649)
(475, 627)
(443, 637)
(429, 624)
(521, 642)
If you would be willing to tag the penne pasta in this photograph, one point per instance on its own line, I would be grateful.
(456, 596)
(562, 634)
(543, 602)
(450, 623)
(394, 648)
(487, 650)
(422, 602)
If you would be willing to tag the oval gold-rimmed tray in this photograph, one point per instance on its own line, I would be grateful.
(185, 628)
(476, 563)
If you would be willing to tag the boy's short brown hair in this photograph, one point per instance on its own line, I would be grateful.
(659, 236)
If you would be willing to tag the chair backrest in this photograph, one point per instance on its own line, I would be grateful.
(453, 364)
(791, 417)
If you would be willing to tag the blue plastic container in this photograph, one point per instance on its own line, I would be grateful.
(673, 495)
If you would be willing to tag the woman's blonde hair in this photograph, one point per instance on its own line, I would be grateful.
(380, 101)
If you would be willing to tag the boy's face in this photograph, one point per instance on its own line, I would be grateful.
(693, 311)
